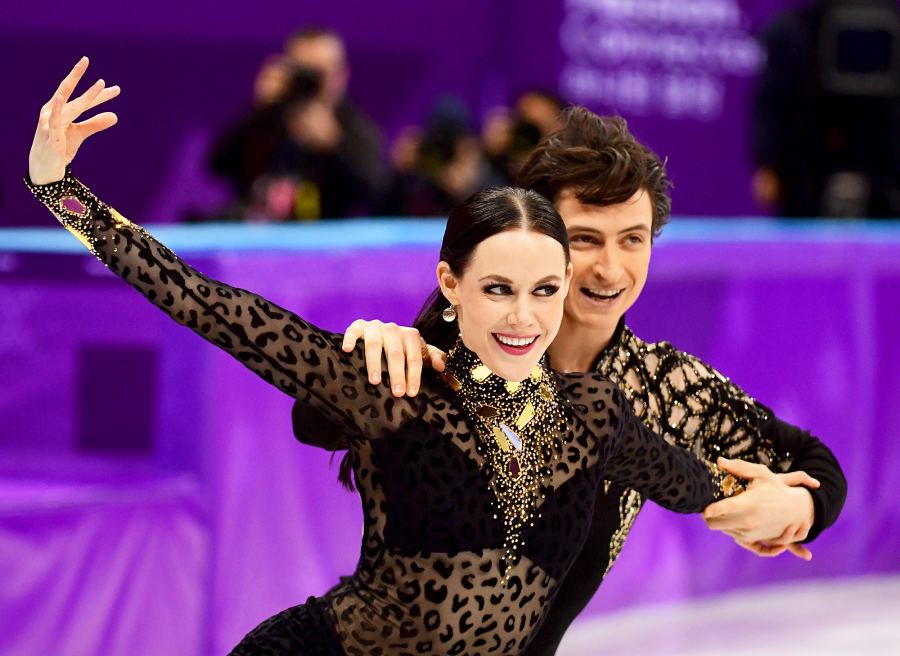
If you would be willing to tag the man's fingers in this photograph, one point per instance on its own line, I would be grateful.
(730, 522)
(70, 81)
(742, 468)
(438, 358)
(763, 549)
(787, 536)
(355, 332)
(373, 341)
(413, 345)
(396, 357)
(736, 534)
(800, 551)
(798, 478)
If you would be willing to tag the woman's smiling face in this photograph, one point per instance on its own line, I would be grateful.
(509, 299)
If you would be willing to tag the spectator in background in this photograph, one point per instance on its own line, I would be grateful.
(438, 167)
(826, 124)
(243, 154)
(509, 137)
(304, 152)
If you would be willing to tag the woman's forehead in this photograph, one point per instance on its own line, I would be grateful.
(523, 253)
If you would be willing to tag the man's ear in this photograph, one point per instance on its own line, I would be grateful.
(570, 271)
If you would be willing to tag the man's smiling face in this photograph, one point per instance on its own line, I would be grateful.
(610, 250)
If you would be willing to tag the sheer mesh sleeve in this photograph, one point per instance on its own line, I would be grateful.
(280, 347)
(638, 458)
(711, 416)
(705, 412)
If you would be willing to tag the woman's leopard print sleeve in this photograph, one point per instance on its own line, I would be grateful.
(640, 459)
(279, 346)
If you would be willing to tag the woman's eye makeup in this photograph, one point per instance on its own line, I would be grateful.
(497, 288)
(501, 289)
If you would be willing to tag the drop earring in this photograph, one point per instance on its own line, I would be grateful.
(449, 314)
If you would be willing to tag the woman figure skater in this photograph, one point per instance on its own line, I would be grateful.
(477, 493)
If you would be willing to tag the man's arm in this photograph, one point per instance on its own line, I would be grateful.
(712, 416)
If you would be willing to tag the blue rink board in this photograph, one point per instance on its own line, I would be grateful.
(390, 233)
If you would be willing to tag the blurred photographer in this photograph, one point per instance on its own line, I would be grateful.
(330, 142)
(304, 151)
(509, 136)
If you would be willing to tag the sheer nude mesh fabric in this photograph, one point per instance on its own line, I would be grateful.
(429, 576)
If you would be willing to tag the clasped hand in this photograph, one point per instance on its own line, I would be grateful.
(772, 516)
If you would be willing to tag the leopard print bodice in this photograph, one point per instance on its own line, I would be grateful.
(431, 578)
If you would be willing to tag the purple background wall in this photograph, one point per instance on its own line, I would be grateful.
(186, 71)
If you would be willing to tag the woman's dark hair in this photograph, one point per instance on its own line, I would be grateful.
(482, 215)
(598, 159)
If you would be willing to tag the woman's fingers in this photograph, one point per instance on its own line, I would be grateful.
(75, 108)
(70, 81)
(95, 124)
(762, 549)
(107, 93)
(54, 118)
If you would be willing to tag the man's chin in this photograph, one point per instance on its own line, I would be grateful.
(594, 319)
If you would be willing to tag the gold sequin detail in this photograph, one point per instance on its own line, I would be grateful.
(679, 397)
(525, 416)
(501, 438)
(519, 461)
(120, 221)
(480, 373)
(452, 381)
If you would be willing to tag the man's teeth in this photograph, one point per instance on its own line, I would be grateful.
(515, 341)
(604, 293)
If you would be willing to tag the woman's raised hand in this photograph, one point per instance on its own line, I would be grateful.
(58, 137)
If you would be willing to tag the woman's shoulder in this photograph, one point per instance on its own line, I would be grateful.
(586, 388)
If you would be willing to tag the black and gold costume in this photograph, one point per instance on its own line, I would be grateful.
(477, 494)
(693, 406)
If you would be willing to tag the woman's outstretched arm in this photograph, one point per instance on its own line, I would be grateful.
(634, 456)
(279, 346)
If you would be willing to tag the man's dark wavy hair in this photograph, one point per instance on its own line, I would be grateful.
(600, 161)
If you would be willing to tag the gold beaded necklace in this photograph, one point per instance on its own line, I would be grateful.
(519, 424)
